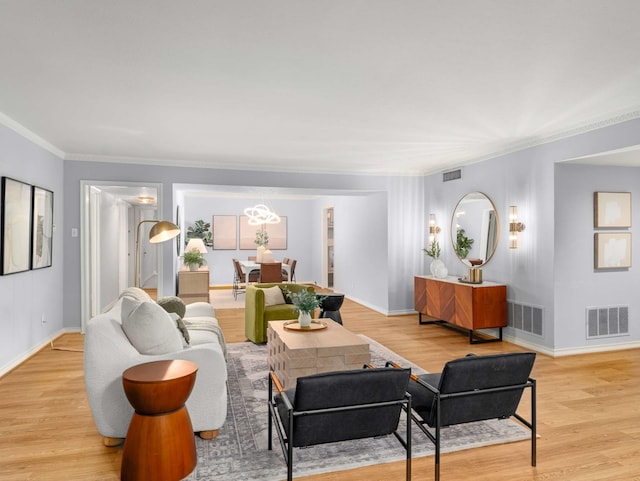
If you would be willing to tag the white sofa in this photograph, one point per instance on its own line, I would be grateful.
(108, 352)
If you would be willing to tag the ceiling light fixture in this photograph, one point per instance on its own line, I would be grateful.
(146, 200)
(260, 214)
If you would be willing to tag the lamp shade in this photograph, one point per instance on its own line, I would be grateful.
(163, 231)
(196, 244)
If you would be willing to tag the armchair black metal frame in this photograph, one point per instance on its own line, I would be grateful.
(340, 406)
(473, 388)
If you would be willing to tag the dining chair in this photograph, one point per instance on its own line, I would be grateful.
(271, 272)
(292, 268)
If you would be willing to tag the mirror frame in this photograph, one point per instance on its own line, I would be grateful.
(453, 232)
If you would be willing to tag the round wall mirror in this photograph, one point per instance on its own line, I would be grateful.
(475, 229)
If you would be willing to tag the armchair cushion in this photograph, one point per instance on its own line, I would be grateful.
(273, 296)
(257, 314)
(149, 327)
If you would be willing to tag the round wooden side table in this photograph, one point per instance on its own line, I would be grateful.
(160, 443)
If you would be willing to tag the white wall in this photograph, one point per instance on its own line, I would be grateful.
(26, 297)
(109, 252)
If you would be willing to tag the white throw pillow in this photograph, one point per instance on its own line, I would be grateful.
(149, 327)
(273, 296)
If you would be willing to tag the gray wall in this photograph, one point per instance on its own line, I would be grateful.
(542, 272)
(396, 189)
(26, 297)
(537, 273)
(299, 213)
(577, 284)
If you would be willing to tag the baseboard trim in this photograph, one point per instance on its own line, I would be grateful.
(14, 363)
(572, 351)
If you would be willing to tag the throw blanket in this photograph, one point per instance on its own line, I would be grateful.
(205, 324)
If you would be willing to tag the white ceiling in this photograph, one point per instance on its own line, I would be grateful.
(375, 86)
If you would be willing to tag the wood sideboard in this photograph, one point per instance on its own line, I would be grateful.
(464, 305)
(193, 286)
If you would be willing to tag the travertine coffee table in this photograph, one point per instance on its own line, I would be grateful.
(293, 354)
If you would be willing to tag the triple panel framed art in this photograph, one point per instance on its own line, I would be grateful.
(612, 211)
(26, 230)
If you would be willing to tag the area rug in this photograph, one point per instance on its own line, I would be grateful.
(239, 453)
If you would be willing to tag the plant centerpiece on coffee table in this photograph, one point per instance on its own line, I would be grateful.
(306, 302)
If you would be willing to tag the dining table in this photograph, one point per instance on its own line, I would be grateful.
(248, 266)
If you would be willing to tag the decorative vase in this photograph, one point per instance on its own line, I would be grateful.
(438, 269)
(304, 319)
(267, 256)
(193, 267)
(259, 253)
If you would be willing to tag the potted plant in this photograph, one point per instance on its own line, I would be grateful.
(262, 240)
(306, 302)
(200, 230)
(193, 259)
(437, 267)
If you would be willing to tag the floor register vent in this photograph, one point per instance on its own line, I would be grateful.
(525, 317)
(607, 321)
(452, 175)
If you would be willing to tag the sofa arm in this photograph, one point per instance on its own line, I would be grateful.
(199, 309)
(254, 323)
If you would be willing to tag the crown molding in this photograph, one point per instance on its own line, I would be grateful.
(29, 135)
(534, 142)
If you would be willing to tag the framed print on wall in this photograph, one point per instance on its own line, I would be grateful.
(16, 226)
(225, 228)
(277, 234)
(247, 234)
(42, 229)
(612, 209)
(612, 250)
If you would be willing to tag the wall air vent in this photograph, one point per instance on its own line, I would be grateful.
(525, 317)
(452, 175)
(609, 321)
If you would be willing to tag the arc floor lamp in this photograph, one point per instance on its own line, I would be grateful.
(161, 231)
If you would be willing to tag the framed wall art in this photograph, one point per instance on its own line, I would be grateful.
(612, 250)
(16, 226)
(277, 234)
(42, 229)
(612, 209)
(225, 232)
(247, 234)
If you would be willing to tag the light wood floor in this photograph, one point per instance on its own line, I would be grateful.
(588, 411)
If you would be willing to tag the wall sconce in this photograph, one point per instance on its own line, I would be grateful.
(515, 227)
(434, 229)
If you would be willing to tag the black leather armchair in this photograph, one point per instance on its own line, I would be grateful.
(339, 406)
(473, 388)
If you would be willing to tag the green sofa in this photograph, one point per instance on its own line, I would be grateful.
(257, 316)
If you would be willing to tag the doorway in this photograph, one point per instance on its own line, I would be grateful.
(110, 213)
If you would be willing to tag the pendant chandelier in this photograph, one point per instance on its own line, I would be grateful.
(260, 214)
